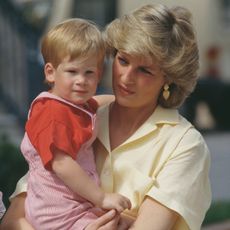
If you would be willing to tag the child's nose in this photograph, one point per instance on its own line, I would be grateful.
(81, 79)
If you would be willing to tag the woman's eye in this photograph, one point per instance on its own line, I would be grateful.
(146, 71)
(122, 61)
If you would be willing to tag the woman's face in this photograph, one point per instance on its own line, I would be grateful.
(137, 82)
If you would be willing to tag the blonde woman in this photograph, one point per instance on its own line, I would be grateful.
(145, 149)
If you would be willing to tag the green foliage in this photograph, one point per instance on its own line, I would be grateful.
(12, 167)
(219, 211)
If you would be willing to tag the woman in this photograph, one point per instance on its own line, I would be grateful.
(145, 150)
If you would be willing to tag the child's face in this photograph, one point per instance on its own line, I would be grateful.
(75, 81)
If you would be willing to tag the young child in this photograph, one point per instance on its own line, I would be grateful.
(63, 191)
(2, 206)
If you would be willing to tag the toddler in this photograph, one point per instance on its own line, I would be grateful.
(63, 186)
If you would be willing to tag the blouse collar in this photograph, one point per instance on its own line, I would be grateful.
(159, 116)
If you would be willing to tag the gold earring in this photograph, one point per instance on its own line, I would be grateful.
(166, 92)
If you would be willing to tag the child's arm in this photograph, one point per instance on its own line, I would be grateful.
(104, 99)
(71, 173)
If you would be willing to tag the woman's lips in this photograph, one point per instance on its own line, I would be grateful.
(124, 90)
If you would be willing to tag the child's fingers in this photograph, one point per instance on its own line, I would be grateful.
(120, 208)
(127, 203)
(124, 203)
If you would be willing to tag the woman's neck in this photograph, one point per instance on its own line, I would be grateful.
(123, 122)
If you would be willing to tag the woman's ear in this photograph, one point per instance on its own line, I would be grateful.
(49, 71)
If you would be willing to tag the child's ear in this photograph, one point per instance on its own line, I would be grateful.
(49, 71)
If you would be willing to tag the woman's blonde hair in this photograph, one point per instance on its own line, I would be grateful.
(77, 38)
(166, 35)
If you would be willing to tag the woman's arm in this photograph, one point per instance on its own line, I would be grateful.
(14, 218)
(125, 222)
(154, 216)
(71, 173)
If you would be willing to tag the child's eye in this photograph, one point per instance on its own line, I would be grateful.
(71, 71)
(89, 72)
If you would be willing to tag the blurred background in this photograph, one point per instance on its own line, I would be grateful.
(22, 22)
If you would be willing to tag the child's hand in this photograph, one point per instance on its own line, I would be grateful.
(115, 201)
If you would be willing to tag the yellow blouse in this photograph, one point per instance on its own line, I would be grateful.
(166, 159)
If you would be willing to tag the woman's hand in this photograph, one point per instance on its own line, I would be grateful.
(108, 221)
(14, 218)
(125, 222)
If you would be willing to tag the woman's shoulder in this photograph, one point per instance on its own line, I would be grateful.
(191, 130)
(178, 132)
(171, 120)
(190, 139)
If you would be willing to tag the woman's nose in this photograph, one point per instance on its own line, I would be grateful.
(128, 75)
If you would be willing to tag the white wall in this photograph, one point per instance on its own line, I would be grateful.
(206, 18)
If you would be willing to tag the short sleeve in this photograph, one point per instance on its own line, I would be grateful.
(20, 187)
(55, 136)
(93, 105)
(183, 184)
(57, 126)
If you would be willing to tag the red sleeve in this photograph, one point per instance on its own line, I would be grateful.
(93, 105)
(53, 125)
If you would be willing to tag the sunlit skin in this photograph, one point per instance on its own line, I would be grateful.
(74, 80)
(137, 82)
